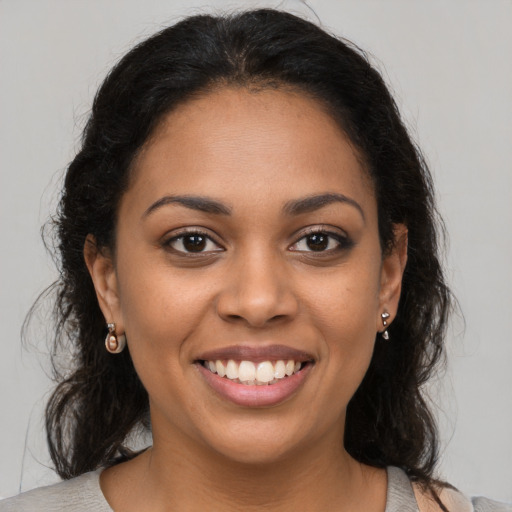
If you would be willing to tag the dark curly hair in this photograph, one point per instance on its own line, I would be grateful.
(100, 400)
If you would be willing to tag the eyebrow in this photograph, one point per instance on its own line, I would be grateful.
(294, 207)
(200, 203)
(315, 202)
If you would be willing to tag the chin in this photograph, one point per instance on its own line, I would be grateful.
(255, 454)
(252, 446)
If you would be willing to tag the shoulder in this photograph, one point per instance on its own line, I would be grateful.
(455, 501)
(404, 495)
(78, 494)
(487, 505)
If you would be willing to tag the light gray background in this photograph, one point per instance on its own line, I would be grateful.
(449, 64)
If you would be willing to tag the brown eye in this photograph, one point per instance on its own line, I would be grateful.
(317, 241)
(193, 243)
(320, 241)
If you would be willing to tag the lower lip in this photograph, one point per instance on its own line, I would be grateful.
(255, 396)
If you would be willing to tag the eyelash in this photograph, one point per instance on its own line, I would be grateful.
(342, 241)
(189, 234)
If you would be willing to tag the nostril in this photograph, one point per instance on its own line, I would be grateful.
(254, 320)
(278, 317)
(256, 299)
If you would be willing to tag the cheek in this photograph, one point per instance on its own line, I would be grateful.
(160, 308)
(346, 302)
(344, 313)
(160, 314)
(154, 296)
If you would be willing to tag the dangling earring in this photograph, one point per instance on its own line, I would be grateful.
(114, 343)
(385, 333)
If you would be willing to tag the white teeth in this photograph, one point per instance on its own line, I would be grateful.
(265, 371)
(221, 370)
(232, 370)
(246, 372)
(280, 370)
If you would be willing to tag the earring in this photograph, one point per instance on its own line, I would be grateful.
(385, 333)
(114, 343)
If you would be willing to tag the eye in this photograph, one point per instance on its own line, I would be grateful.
(193, 242)
(320, 241)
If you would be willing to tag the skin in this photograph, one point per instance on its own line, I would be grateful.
(257, 283)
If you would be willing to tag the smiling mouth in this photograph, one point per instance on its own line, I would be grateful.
(264, 373)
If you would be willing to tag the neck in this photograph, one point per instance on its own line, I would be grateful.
(178, 473)
(187, 478)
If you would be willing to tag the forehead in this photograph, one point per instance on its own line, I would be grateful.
(245, 143)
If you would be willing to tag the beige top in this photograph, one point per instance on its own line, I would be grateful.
(83, 494)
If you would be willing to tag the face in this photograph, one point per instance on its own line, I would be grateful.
(247, 245)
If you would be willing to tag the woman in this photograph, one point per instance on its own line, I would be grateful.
(249, 269)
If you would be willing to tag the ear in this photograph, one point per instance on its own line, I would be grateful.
(101, 268)
(392, 270)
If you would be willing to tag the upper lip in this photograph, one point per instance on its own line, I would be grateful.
(256, 353)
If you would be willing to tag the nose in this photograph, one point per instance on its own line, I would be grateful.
(258, 291)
